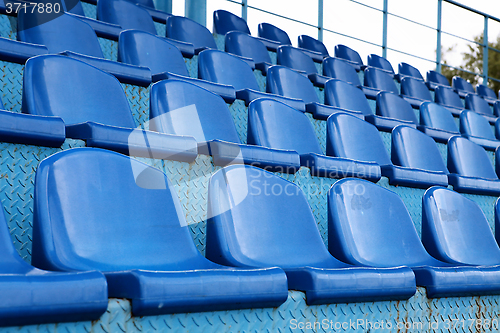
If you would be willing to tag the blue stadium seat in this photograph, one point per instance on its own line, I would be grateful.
(338, 68)
(437, 122)
(105, 120)
(415, 91)
(273, 124)
(182, 108)
(470, 168)
(141, 48)
(435, 79)
(286, 82)
(244, 45)
(369, 225)
(157, 15)
(32, 296)
(380, 63)
(155, 262)
(125, 14)
(346, 96)
(225, 22)
(272, 32)
(74, 7)
(350, 55)
(226, 69)
(68, 35)
(477, 129)
(448, 98)
(278, 229)
(353, 138)
(294, 58)
(462, 86)
(407, 70)
(18, 52)
(487, 93)
(186, 30)
(378, 80)
(455, 230)
(392, 110)
(477, 104)
(309, 43)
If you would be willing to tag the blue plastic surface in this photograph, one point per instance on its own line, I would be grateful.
(437, 122)
(497, 209)
(181, 108)
(487, 93)
(271, 32)
(309, 43)
(102, 29)
(273, 124)
(278, 229)
(340, 69)
(407, 70)
(105, 120)
(125, 14)
(435, 79)
(415, 91)
(294, 58)
(346, 96)
(462, 86)
(102, 232)
(225, 22)
(470, 168)
(448, 98)
(187, 30)
(476, 128)
(244, 45)
(380, 81)
(455, 230)
(478, 104)
(380, 63)
(350, 55)
(369, 225)
(19, 52)
(392, 110)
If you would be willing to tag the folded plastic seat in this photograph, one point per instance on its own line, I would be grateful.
(349, 55)
(436, 79)
(487, 93)
(476, 127)
(407, 70)
(462, 86)
(244, 45)
(310, 43)
(415, 91)
(379, 62)
(392, 110)
(378, 80)
(448, 98)
(437, 122)
(186, 30)
(477, 104)
(296, 59)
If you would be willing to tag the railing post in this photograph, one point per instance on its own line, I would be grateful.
(438, 30)
(196, 10)
(244, 9)
(320, 20)
(384, 30)
(485, 52)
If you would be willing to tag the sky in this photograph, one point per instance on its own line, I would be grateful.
(363, 24)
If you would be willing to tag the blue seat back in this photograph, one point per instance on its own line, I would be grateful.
(478, 104)
(62, 33)
(346, 96)
(141, 48)
(435, 116)
(339, 69)
(221, 67)
(485, 91)
(88, 203)
(262, 230)
(415, 88)
(394, 106)
(447, 96)
(472, 123)
(147, 3)
(345, 52)
(469, 159)
(438, 78)
(372, 226)
(461, 84)
(269, 31)
(189, 31)
(414, 149)
(91, 94)
(409, 70)
(454, 229)
(292, 57)
(225, 22)
(76, 8)
(244, 45)
(125, 14)
(379, 62)
(350, 137)
(275, 125)
(378, 79)
(309, 43)
(287, 82)
(182, 108)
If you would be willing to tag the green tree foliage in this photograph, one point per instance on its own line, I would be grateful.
(473, 62)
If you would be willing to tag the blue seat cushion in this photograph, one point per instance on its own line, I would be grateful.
(339, 167)
(322, 111)
(330, 285)
(19, 52)
(386, 124)
(135, 142)
(249, 95)
(412, 177)
(474, 185)
(157, 292)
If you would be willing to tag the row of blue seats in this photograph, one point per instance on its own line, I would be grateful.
(259, 223)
